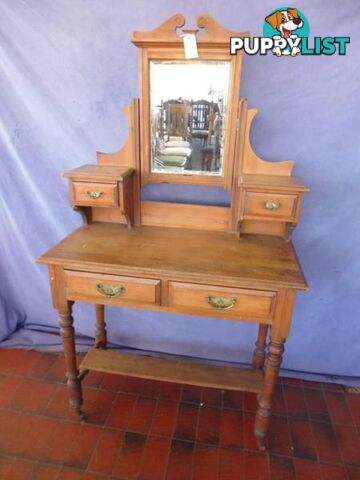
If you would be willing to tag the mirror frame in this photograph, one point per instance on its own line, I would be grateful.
(163, 43)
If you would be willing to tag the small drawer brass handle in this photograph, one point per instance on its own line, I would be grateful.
(110, 291)
(221, 303)
(272, 205)
(94, 195)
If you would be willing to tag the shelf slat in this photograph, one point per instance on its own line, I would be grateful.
(173, 370)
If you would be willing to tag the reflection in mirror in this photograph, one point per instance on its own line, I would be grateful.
(188, 116)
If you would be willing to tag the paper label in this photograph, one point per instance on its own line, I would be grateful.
(190, 46)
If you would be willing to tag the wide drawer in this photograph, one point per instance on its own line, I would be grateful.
(229, 302)
(111, 289)
(270, 205)
(95, 194)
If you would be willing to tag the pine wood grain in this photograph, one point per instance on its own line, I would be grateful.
(173, 370)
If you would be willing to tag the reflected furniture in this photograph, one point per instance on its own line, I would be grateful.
(150, 255)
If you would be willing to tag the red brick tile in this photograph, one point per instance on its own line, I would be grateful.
(279, 407)
(249, 437)
(5, 465)
(306, 469)
(170, 391)
(128, 463)
(212, 397)
(71, 474)
(231, 428)
(180, 460)
(142, 415)
(205, 466)
(231, 464)
(106, 451)
(191, 394)
(349, 443)
(333, 472)
(11, 426)
(208, 425)
(155, 458)
(281, 468)
(325, 442)
(250, 402)
(163, 390)
(164, 419)
(316, 405)
(151, 388)
(279, 442)
(332, 386)
(256, 466)
(338, 408)
(46, 472)
(23, 434)
(39, 436)
(82, 446)
(97, 405)
(312, 384)
(295, 401)
(233, 399)
(130, 385)
(59, 406)
(112, 382)
(353, 402)
(8, 387)
(18, 362)
(121, 411)
(10, 360)
(32, 395)
(56, 372)
(186, 422)
(291, 381)
(21, 469)
(21, 394)
(59, 442)
(302, 440)
(93, 379)
(353, 473)
(43, 364)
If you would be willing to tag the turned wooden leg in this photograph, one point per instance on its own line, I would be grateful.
(272, 365)
(100, 332)
(72, 374)
(259, 352)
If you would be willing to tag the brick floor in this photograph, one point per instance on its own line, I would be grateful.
(143, 430)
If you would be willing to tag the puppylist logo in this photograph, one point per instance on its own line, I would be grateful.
(286, 32)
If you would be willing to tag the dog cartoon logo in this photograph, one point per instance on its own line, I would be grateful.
(286, 21)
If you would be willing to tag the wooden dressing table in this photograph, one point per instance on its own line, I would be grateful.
(235, 263)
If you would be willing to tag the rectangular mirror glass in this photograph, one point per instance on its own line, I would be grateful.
(188, 106)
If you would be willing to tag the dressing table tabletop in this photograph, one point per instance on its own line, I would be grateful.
(216, 257)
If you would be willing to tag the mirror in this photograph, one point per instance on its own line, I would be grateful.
(188, 116)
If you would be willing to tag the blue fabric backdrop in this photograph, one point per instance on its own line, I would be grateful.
(67, 66)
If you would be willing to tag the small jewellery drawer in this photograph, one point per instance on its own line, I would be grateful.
(95, 194)
(272, 205)
(227, 301)
(111, 289)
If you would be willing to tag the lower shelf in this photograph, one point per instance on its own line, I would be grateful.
(174, 370)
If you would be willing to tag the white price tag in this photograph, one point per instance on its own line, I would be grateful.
(190, 46)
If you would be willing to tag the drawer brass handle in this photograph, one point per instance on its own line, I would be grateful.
(272, 205)
(94, 195)
(110, 291)
(221, 303)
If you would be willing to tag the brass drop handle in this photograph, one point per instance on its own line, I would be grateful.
(94, 194)
(272, 205)
(110, 291)
(220, 303)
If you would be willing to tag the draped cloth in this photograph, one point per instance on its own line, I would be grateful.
(66, 67)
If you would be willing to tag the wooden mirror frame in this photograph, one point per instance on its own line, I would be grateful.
(163, 43)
